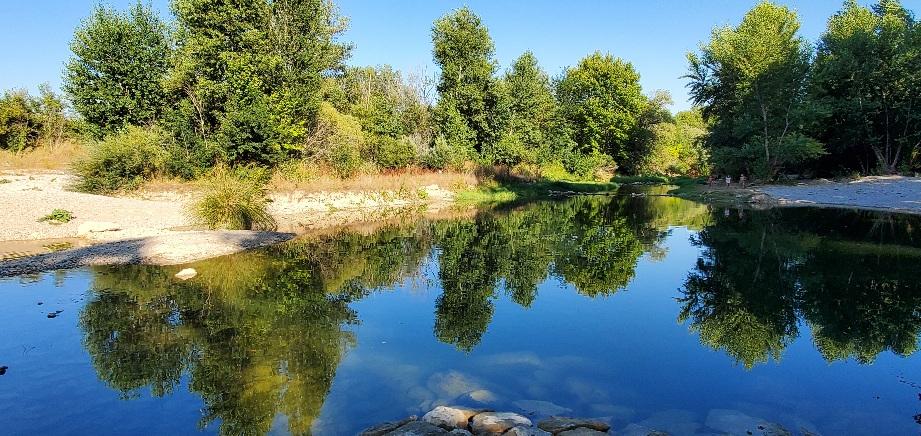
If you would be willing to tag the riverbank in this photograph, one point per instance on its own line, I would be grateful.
(887, 193)
(883, 193)
(152, 225)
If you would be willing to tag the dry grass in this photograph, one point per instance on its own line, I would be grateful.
(307, 179)
(54, 157)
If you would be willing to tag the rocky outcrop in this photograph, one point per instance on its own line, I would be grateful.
(454, 420)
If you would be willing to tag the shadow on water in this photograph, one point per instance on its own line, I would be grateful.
(262, 333)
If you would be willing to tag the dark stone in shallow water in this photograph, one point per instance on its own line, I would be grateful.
(387, 427)
(3, 369)
(54, 314)
(418, 428)
(556, 424)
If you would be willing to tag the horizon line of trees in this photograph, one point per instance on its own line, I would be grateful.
(267, 84)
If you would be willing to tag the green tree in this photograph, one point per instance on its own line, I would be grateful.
(676, 147)
(27, 121)
(751, 82)
(468, 109)
(115, 77)
(602, 100)
(532, 112)
(868, 78)
(249, 75)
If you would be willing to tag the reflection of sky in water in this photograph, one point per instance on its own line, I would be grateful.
(623, 357)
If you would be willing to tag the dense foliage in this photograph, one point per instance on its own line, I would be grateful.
(265, 82)
(867, 78)
(752, 83)
(120, 58)
(775, 105)
(27, 121)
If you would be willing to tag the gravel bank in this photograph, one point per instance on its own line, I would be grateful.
(895, 193)
(169, 249)
(153, 228)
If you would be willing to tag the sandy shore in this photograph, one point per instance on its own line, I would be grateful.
(154, 227)
(891, 193)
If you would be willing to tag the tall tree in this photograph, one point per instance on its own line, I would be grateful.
(468, 109)
(602, 100)
(868, 78)
(120, 59)
(531, 106)
(751, 83)
(249, 73)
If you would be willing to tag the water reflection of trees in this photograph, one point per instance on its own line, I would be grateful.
(259, 334)
(851, 276)
(592, 243)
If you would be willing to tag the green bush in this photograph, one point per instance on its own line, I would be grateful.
(584, 165)
(27, 121)
(124, 160)
(58, 216)
(393, 153)
(443, 155)
(337, 140)
(346, 161)
(234, 199)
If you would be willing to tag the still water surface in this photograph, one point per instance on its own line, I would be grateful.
(650, 312)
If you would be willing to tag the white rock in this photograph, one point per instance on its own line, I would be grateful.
(186, 274)
(450, 417)
(96, 227)
(497, 423)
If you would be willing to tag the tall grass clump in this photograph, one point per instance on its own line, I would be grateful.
(234, 199)
(122, 161)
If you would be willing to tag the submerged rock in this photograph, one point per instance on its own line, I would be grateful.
(54, 314)
(539, 407)
(736, 422)
(451, 417)
(186, 274)
(497, 423)
(3, 369)
(418, 428)
(582, 431)
(639, 430)
(526, 431)
(387, 427)
(556, 424)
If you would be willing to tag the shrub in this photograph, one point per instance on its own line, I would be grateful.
(337, 140)
(393, 153)
(124, 160)
(443, 155)
(345, 160)
(58, 216)
(27, 121)
(584, 165)
(234, 199)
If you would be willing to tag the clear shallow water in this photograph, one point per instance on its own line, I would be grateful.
(651, 311)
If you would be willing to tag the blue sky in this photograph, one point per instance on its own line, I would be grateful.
(652, 34)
